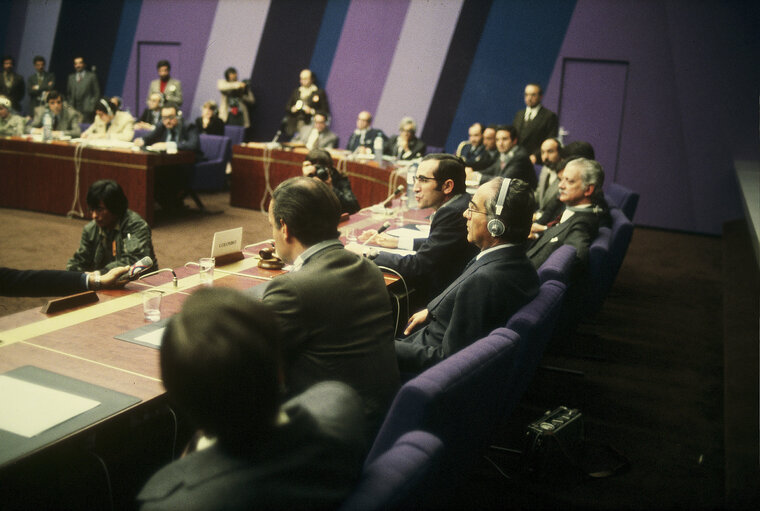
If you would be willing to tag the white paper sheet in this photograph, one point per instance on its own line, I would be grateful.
(29, 409)
(153, 337)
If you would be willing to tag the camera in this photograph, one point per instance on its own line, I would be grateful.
(321, 172)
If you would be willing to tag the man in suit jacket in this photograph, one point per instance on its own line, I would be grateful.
(317, 135)
(406, 145)
(494, 286)
(12, 83)
(535, 123)
(362, 140)
(305, 101)
(83, 90)
(11, 124)
(65, 120)
(333, 306)
(512, 161)
(473, 151)
(40, 83)
(441, 257)
(56, 282)
(548, 182)
(580, 190)
(170, 87)
(220, 363)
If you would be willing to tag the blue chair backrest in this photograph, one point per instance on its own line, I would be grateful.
(624, 198)
(396, 478)
(215, 148)
(558, 265)
(622, 232)
(534, 323)
(236, 134)
(457, 399)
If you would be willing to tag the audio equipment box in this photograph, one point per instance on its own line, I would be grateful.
(551, 438)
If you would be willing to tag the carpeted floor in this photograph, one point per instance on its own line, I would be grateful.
(653, 363)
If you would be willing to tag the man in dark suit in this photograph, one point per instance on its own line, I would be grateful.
(512, 161)
(172, 181)
(535, 123)
(12, 84)
(494, 285)
(580, 190)
(548, 182)
(220, 364)
(362, 140)
(333, 306)
(64, 119)
(473, 151)
(441, 257)
(83, 90)
(56, 282)
(317, 135)
(406, 145)
(306, 100)
(39, 83)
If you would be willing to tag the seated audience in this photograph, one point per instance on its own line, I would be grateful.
(319, 164)
(333, 306)
(497, 282)
(473, 151)
(110, 123)
(306, 100)
(116, 236)
(580, 191)
(209, 123)
(362, 140)
(11, 124)
(406, 145)
(237, 99)
(57, 282)
(65, 120)
(441, 257)
(151, 116)
(317, 135)
(221, 366)
(512, 160)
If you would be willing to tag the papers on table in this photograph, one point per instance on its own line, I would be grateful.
(410, 231)
(29, 409)
(358, 247)
(152, 338)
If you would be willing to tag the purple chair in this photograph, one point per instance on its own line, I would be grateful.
(534, 323)
(210, 174)
(622, 197)
(622, 232)
(236, 134)
(396, 479)
(459, 400)
(558, 265)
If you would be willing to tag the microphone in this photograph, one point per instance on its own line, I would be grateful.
(381, 230)
(137, 268)
(174, 274)
(398, 191)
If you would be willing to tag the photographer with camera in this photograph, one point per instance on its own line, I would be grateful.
(318, 164)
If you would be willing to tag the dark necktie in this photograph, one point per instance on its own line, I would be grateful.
(555, 221)
(55, 123)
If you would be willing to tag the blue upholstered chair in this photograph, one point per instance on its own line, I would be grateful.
(623, 198)
(210, 174)
(459, 400)
(621, 234)
(236, 134)
(396, 479)
(558, 265)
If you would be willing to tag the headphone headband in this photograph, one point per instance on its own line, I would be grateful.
(502, 195)
(495, 225)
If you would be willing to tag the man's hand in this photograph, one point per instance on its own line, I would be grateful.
(381, 240)
(111, 279)
(533, 159)
(536, 230)
(416, 319)
(139, 142)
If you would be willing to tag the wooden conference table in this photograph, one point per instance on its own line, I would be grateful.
(256, 170)
(81, 343)
(53, 177)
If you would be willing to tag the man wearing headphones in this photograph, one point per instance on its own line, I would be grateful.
(110, 123)
(495, 284)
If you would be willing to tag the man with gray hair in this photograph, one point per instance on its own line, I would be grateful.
(493, 286)
(406, 145)
(11, 124)
(580, 190)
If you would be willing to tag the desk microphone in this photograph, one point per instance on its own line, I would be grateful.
(398, 191)
(174, 279)
(379, 231)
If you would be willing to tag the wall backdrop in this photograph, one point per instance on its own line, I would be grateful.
(667, 91)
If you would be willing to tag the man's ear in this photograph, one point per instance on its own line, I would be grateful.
(448, 186)
(589, 190)
(284, 230)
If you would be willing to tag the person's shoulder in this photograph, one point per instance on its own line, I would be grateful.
(132, 217)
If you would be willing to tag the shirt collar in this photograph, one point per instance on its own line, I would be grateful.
(304, 256)
(570, 211)
(493, 249)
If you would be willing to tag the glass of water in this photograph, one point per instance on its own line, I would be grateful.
(207, 270)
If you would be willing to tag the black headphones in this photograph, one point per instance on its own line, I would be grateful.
(495, 225)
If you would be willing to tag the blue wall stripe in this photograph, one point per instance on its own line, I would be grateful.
(87, 28)
(130, 15)
(327, 40)
(286, 47)
(520, 43)
(464, 43)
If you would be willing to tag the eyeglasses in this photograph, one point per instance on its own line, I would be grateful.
(424, 179)
(472, 209)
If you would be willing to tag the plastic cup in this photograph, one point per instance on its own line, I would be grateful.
(351, 235)
(152, 304)
(207, 270)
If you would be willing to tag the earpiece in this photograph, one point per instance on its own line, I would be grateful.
(495, 225)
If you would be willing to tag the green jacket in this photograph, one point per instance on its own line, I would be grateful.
(130, 241)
